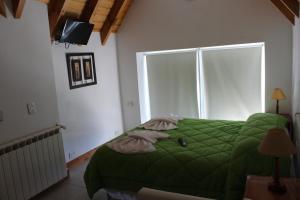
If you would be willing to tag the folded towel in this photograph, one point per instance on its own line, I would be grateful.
(137, 142)
(150, 136)
(128, 145)
(161, 124)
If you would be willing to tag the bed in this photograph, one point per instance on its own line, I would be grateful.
(219, 156)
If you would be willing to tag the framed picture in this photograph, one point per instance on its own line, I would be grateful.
(81, 69)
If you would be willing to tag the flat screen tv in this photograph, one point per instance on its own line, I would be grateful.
(75, 32)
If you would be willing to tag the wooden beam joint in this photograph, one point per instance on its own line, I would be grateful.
(56, 9)
(109, 21)
(285, 10)
(2, 8)
(292, 5)
(290, 8)
(44, 1)
(18, 7)
(89, 10)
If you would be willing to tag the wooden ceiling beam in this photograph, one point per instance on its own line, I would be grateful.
(285, 10)
(56, 9)
(2, 8)
(107, 27)
(89, 10)
(18, 7)
(293, 5)
(122, 15)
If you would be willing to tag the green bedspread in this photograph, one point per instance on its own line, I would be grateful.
(219, 156)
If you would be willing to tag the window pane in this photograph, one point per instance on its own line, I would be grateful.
(172, 84)
(232, 83)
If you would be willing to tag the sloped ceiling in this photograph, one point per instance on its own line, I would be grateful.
(108, 15)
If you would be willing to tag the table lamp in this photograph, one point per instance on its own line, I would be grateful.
(278, 94)
(277, 143)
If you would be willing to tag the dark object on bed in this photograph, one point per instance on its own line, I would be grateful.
(215, 164)
(182, 142)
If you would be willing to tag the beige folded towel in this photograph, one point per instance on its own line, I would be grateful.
(138, 141)
(150, 136)
(161, 124)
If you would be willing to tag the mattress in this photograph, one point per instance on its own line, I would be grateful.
(219, 156)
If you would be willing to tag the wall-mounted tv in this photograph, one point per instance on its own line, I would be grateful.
(75, 32)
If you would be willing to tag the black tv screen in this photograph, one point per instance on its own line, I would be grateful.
(76, 32)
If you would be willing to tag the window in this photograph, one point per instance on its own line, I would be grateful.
(225, 82)
(172, 83)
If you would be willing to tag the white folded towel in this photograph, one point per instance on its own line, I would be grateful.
(138, 141)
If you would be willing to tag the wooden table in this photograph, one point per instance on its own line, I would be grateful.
(257, 189)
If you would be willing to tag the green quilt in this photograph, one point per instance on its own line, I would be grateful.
(219, 156)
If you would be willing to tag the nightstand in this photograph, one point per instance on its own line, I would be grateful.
(257, 189)
(289, 124)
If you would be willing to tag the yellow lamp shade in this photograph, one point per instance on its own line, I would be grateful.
(278, 94)
(277, 143)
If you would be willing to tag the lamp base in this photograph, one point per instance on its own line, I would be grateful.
(277, 188)
(277, 107)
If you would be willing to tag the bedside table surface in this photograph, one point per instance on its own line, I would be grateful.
(257, 188)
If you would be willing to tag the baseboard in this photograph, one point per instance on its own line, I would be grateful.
(81, 159)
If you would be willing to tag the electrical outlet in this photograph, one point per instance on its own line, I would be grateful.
(117, 133)
(31, 108)
(71, 155)
(130, 103)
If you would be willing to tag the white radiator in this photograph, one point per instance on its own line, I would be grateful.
(32, 164)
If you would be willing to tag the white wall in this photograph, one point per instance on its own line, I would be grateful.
(26, 73)
(174, 24)
(91, 114)
(296, 86)
(296, 67)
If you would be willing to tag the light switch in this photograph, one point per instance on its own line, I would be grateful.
(130, 103)
(31, 108)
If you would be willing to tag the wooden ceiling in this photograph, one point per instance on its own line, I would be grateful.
(107, 15)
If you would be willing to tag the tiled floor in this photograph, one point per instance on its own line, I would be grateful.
(72, 188)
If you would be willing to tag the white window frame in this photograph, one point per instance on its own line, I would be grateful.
(144, 97)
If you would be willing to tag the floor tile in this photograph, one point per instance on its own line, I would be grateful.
(72, 188)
